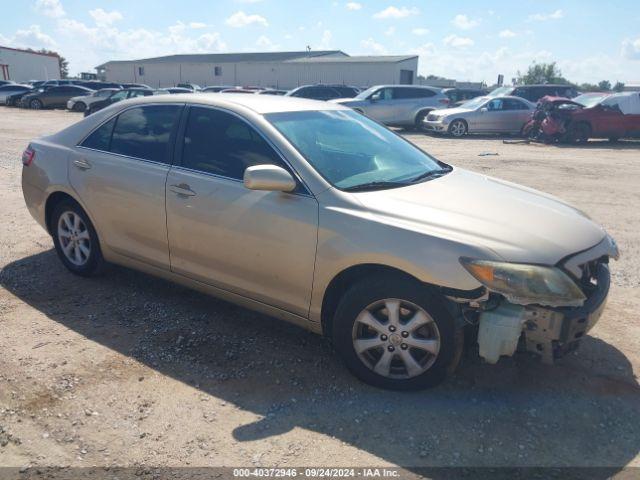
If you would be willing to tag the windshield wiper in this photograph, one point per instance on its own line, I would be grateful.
(374, 186)
(430, 174)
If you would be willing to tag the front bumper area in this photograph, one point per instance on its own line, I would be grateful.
(549, 332)
(435, 126)
(553, 332)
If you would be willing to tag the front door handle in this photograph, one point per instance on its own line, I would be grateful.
(82, 163)
(182, 190)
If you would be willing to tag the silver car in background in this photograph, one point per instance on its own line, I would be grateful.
(81, 102)
(481, 115)
(397, 105)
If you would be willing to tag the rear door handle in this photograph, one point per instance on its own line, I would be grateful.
(182, 190)
(82, 163)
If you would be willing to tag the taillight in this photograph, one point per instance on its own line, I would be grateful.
(444, 101)
(28, 155)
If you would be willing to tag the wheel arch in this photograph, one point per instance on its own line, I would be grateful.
(347, 277)
(54, 198)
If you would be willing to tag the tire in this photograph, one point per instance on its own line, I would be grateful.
(79, 107)
(579, 133)
(35, 104)
(420, 119)
(85, 258)
(387, 351)
(458, 128)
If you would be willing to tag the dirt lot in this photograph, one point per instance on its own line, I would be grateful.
(125, 369)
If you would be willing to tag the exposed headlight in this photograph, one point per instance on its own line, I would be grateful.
(526, 284)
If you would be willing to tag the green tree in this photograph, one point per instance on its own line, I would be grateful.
(541, 73)
(618, 87)
(604, 85)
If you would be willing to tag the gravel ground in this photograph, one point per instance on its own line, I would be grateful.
(129, 370)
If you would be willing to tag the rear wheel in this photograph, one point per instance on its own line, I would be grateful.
(35, 104)
(419, 122)
(75, 239)
(394, 333)
(458, 128)
(79, 107)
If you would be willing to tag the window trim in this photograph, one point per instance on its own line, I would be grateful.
(172, 137)
(179, 147)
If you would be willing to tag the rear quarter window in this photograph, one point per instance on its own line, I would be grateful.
(101, 137)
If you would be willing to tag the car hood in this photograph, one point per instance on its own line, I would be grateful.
(347, 101)
(517, 223)
(79, 97)
(443, 112)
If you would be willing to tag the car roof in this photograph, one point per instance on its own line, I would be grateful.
(261, 104)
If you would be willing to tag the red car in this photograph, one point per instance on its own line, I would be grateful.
(611, 116)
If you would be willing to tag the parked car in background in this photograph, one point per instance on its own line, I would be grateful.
(11, 88)
(481, 115)
(533, 93)
(80, 103)
(14, 99)
(55, 96)
(272, 91)
(135, 85)
(457, 96)
(397, 105)
(172, 91)
(238, 90)
(323, 92)
(611, 116)
(117, 97)
(97, 85)
(57, 83)
(37, 83)
(6, 82)
(190, 86)
(344, 228)
(216, 88)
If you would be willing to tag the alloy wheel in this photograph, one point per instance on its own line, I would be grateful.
(74, 238)
(458, 128)
(396, 338)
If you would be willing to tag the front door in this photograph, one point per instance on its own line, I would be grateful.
(381, 105)
(257, 244)
(120, 171)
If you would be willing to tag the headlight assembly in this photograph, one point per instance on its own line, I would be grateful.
(526, 284)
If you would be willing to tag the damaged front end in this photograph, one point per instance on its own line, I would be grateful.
(544, 310)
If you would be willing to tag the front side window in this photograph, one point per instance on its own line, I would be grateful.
(121, 95)
(222, 144)
(353, 152)
(145, 132)
(495, 105)
(383, 94)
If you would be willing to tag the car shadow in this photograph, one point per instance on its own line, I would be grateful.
(584, 411)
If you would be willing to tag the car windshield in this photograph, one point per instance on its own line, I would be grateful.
(589, 99)
(500, 91)
(353, 152)
(474, 103)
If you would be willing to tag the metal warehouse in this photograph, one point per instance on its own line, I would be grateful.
(267, 69)
(24, 65)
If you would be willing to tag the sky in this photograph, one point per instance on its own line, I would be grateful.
(464, 40)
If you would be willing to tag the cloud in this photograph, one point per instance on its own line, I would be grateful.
(395, 12)
(507, 34)
(266, 43)
(325, 41)
(32, 37)
(197, 25)
(371, 46)
(464, 23)
(390, 31)
(543, 17)
(241, 19)
(420, 31)
(457, 42)
(353, 6)
(102, 17)
(49, 8)
(631, 49)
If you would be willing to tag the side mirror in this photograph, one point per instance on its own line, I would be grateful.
(268, 177)
(484, 110)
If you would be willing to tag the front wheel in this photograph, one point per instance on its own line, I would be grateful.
(79, 107)
(35, 104)
(395, 334)
(458, 128)
(75, 239)
(579, 133)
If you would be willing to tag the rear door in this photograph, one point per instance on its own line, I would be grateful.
(120, 171)
(257, 244)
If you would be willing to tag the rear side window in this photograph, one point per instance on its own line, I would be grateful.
(145, 132)
(101, 137)
(222, 144)
(401, 93)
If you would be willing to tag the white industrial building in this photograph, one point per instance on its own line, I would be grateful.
(24, 65)
(283, 70)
